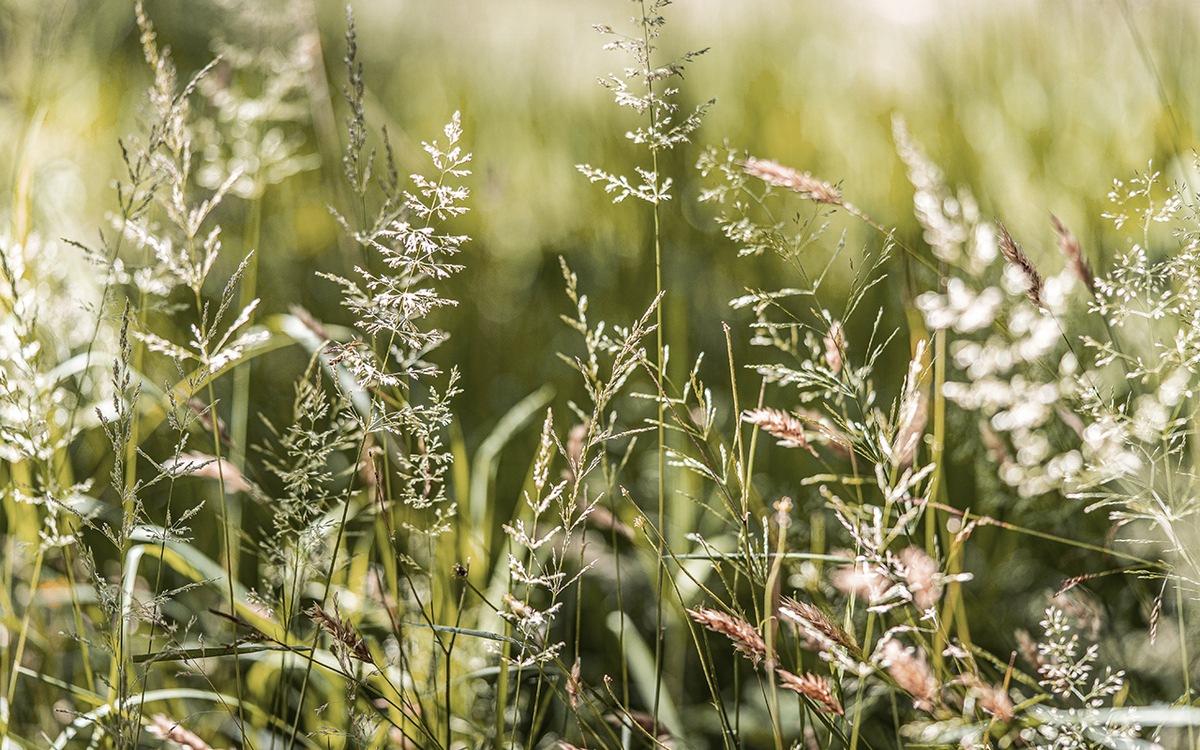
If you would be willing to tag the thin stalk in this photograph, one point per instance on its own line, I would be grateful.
(1184, 658)
(937, 485)
(230, 555)
(771, 622)
(240, 403)
(21, 639)
(659, 355)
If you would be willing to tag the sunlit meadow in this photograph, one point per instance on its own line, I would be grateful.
(601, 374)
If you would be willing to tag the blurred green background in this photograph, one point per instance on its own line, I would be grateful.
(1036, 106)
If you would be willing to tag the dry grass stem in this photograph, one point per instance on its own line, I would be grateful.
(745, 638)
(774, 173)
(816, 688)
(816, 626)
(1069, 244)
(1017, 258)
(341, 630)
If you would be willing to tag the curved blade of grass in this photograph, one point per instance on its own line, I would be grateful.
(487, 459)
(641, 668)
(90, 718)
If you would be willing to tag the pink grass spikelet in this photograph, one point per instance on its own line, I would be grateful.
(774, 173)
(835, 347)
(920, 573)
(781, 425)
(166, 729)
(811, 686)
(745, 638)
(911, 673)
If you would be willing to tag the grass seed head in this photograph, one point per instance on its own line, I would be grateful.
(911, 673)
(816, 688)
(774, 173)
(1069, 244)
(745, 638)
(1017, 258)
(781, 425)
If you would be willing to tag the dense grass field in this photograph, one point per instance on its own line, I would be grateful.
(600, 374)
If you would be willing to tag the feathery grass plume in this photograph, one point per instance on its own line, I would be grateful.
(1017, 258)
(779, 424)
(835, 347)
(407, 236)
(342, 631)
(743, 635)
(991, 698)
(814, 687)
(820, 631)
(538, 562)
(645, 87)
(303, 456)
(1068, 674)
(1068, 243)
(259, 96)
(911, 672)
(172, 731)
(912, 412)
(921, 576)
(774, 173)
(950, 220)
(1063, 670)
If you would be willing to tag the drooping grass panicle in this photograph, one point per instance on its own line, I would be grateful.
(787, 429)
(349, 642)
(774, 173)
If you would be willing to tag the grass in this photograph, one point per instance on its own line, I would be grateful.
(926, 481)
